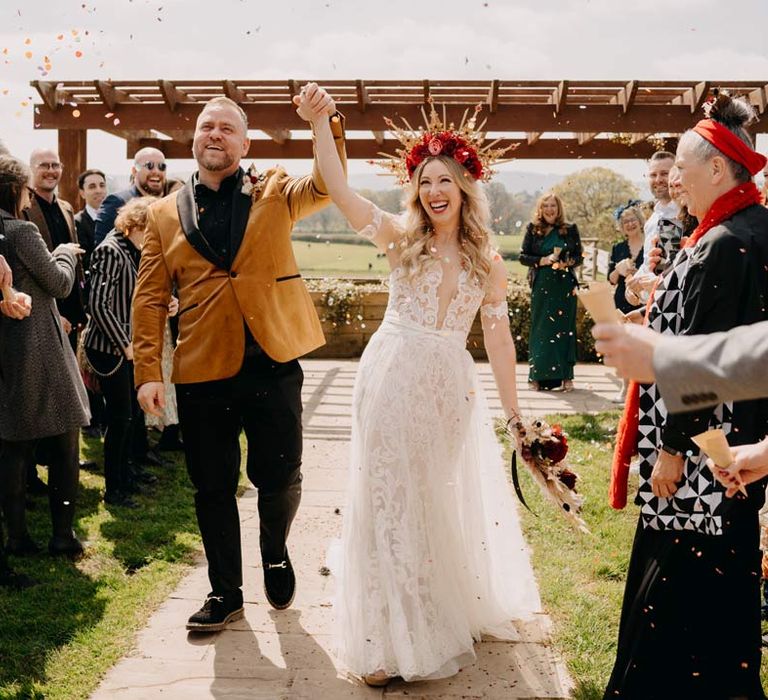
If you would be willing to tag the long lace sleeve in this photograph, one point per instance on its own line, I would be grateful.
(370, 231)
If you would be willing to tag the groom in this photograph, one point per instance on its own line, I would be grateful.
(224, 241)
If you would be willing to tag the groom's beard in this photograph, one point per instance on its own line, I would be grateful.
(214, 161)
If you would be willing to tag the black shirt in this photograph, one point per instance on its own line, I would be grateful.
(214, 215)
(71, 307)
(214, 210)
(54, 219)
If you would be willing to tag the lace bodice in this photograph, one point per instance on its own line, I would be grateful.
(418, 300)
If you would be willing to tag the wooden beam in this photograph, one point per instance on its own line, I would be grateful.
(234, 93)
(366, 149)
(637, 138)
(362, 95)
(642, 118)
(626, 96)
(378, 136)
(185, 136)
(585, 137)
(73, 152)
(693, 97)
(280, 136)
(759, 98)
(532, 137)
(425, 88)
(132, 135)
(560, 96)
(52, 96)
(171, 94)
(700, 93)
(112, 96)
(493, 97)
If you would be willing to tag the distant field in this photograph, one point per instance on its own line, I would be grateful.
(348, 260)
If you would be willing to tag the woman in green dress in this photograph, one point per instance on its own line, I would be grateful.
(552, 249)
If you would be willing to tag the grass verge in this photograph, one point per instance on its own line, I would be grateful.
(60, 637)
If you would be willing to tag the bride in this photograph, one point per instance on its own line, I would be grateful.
(431, 549)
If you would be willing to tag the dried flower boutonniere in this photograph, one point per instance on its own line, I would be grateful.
(253, 183)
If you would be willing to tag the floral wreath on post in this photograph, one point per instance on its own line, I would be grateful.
(466, 145)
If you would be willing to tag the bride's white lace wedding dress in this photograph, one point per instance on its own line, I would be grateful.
(431, 547)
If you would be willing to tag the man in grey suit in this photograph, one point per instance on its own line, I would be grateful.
(692, 372)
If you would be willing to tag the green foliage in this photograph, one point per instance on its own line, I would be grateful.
(590, 196)
(342, 300)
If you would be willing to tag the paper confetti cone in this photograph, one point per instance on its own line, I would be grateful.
(714, 444)
(598, 301)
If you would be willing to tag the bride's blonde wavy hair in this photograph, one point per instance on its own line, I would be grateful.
(474, 232)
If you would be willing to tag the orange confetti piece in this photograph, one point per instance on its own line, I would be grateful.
(75, 32)
(24, 103)
(75, 113)
(27, 41)
(5, 52)
(28, 54)
(78, 54)
(60, 37)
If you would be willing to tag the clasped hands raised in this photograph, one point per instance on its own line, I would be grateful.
(313, 103)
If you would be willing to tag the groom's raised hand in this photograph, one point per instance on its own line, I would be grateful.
(313, 102)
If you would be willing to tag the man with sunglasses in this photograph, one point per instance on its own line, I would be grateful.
(147, 178)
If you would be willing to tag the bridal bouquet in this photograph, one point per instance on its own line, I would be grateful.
(543, 448)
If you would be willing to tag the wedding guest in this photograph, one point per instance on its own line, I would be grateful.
(17, 309)
(694, 572)
(147, 180)
(42, 397)
(664, 209)
(552, 250)
(430, 545)
(691, 371)
(626, 259)
(108, 342)
(92, 185)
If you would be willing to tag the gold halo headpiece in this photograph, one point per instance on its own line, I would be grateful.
(466, 145)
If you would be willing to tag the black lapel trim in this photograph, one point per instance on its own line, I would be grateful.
(241, 208)
(187, 209)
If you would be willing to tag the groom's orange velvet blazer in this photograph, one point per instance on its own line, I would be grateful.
(262, 286)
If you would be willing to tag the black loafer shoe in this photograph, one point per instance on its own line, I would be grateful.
(279, 583)
(216, 613)
(69, 547)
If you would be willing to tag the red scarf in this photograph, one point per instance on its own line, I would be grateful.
(722, 209)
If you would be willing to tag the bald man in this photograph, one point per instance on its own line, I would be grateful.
(147, 178)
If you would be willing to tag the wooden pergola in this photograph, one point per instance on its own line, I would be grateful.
(544, 119)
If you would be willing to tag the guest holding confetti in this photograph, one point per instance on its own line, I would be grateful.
(552, 251)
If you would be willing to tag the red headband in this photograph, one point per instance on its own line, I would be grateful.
(730, 145)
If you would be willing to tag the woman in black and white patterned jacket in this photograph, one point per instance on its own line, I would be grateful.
(107, 341)
(42, 397)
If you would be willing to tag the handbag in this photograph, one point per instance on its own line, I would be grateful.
(86, 364)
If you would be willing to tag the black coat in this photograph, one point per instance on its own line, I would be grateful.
(572, 253)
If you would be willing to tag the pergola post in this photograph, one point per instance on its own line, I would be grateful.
(73, 153)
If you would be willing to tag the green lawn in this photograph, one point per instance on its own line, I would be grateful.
(61, 636)
(325, 259)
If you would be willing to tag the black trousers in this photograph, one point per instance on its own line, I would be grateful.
(264, 400)
(63, 477)
(118, 394)
(690, 620)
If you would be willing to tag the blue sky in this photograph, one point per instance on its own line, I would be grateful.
(176, 39)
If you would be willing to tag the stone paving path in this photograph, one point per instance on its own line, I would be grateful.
(286, 655)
